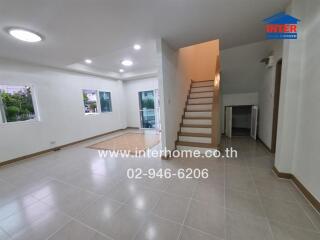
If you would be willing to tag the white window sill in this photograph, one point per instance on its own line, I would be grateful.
(91, 114)
(27, 122)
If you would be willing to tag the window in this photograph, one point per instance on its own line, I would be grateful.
(16, 103)
(105, 101)
(90, 101)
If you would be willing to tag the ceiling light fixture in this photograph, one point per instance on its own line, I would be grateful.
(121, 70)
(126, 63)
(137, 47)
(25, 35)
(88, 61)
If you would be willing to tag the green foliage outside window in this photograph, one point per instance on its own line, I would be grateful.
(90, 101)
(17, 105)
(105, 101)
(147, 103)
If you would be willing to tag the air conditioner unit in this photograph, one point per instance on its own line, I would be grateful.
(268, 61)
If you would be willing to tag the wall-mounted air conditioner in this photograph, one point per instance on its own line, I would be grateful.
(268, 61)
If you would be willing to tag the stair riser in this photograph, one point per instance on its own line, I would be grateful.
(205, 94)
(196, 130)
(202, 84)
(201, 89)
(199, 107)
(187, 148)
(195, 139)
(198, 114)
(200, 100)
(197, 121)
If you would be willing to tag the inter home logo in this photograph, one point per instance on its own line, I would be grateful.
(281, 26)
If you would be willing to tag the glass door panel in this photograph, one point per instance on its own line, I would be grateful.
(147, 110)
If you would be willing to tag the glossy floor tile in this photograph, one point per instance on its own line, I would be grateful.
(76, 231)
(158, 229)
(244, 202)
(244, 226)
(286, 232)
(194, 234)
(172, 207)
(207, 217)
(73, 194)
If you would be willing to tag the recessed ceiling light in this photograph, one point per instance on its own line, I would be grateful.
(121, 70)
(88, 61)
(25, 35)
(136, 47)
(126, 63)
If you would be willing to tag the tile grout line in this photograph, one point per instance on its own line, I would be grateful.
(58, 230)
(305, 212)
(104, 195)
(186, 213)
(81, 223)
(148, 214)
(126, 204)
(6, 233)
(164, 218)
(225, 199)
(192, 198)
(297, 227)
(295, 201)
(261, 205)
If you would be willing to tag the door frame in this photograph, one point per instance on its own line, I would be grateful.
(256, 108)
(276, 99)
(140, 116)
(225, 119)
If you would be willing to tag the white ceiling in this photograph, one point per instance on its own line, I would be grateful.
(105, 30)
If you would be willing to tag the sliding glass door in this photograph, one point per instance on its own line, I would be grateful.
(147, 109)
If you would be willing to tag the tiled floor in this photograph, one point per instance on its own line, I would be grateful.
(73, 194)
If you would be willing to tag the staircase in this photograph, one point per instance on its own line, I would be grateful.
(197, 126)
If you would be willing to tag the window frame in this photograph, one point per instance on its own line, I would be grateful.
(4, 122)
(98, 103)
(111, 107)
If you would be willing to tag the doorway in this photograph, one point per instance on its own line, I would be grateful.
(147, 109)
(241, 117)
(241, 121)
(276, 105)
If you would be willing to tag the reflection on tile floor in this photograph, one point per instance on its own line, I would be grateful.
(73, 194)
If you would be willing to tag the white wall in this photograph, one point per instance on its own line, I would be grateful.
(243, 73)
(173, 89)
(240, 99)
(241, 68)
(131, 90)
(266, 95)
(289, 94)
(299, 131)
(60, 103)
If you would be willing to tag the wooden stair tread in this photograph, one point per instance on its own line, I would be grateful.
(202, 81)
(194, 144)
(199, 103)
(198, 97)
(196, 110)
(196, 118)
(202, 92)
(202, 86)
(187, 134)
(196, 126)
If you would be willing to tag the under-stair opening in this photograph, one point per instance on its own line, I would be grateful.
(241, 120)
